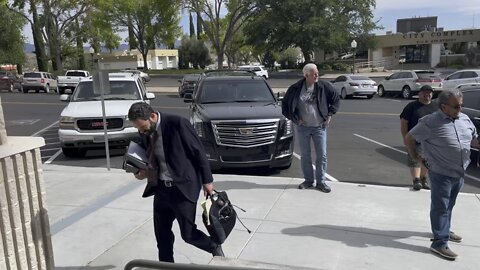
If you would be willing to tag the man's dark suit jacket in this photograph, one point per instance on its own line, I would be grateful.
(185, 157)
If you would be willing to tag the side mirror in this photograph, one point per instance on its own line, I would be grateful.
(149, 96)
(65, 97)
(187, 98)
(446, 79)
(387, 78)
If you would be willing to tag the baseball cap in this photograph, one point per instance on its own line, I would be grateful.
(426, 88)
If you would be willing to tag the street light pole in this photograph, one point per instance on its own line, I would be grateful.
(354, 46)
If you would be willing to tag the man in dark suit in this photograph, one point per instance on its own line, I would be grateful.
(177, 170)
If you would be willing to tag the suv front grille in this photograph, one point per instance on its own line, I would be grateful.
(97, 123)
(245, 133)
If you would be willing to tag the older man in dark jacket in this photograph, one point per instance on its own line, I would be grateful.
(310, 104)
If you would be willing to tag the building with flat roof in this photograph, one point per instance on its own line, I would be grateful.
(419, 40)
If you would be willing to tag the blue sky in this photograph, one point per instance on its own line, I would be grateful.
(452, 15)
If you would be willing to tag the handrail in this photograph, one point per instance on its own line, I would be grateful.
(179, 266)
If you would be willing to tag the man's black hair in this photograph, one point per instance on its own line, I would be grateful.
(140, 110)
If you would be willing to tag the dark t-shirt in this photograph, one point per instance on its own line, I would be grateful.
(416, 110)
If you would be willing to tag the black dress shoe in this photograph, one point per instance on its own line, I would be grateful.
(305, 185)
(218, 251)
(323, 188)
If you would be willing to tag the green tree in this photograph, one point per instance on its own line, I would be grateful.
(220, 29)
(149, 22)
(11, 41)
(309, 25)
(288, 58)
(28, 10)
(193, 51)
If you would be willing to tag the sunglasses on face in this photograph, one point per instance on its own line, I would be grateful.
(456, 107)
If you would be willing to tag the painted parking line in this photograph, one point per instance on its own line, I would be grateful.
(328, 176)
(52, 158)
(403, 152)
(43, 129)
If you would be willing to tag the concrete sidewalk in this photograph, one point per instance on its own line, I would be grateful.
(99, 221)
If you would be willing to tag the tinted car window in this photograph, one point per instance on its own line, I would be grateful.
(471, 99)
(427, 76)
(455, 76)
(118, 90)
(235, 91)
(406, 75)
(394, 76)
(469, 74)
(32, 75)
(75, 74)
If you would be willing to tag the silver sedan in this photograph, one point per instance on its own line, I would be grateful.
(354, 85)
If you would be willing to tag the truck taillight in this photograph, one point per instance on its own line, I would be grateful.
(42, 80)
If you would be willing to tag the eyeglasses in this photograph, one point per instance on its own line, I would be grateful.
(456, 107)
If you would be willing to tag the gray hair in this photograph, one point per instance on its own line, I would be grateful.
(445, 96)
(307, 68)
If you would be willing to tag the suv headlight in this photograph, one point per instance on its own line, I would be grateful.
(198, 126)
(67, 122)
(288, 128)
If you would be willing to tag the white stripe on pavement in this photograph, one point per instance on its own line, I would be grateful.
(52, 158)
(328, 176)
(42, 130)
(403, 152)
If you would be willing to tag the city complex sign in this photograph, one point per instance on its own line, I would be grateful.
(426, 37)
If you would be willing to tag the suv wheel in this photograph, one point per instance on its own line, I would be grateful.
(10, 88)
(381, 91)
(343, 93)
(47, 88)
(24, 90)
(406, 92)
(61, 91)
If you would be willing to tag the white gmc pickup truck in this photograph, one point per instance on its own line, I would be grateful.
(71, 79)
(81, 121)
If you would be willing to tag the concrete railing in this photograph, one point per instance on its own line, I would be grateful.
(25, 240)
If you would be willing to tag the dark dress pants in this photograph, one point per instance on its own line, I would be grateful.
(170, 204)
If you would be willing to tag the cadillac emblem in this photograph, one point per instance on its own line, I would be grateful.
(245, 131)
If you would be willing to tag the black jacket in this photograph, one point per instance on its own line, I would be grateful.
(328, 100)
(185, 157)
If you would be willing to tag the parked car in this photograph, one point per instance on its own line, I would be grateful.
(354, 85)
(408, 83)
(461, 77)
(37, 81)
(145, 77)
(471, 107)
(240, 122)
(187, 84)
(259, 70)
(70, 80)
(346, 56)
(81, 121)
(10, 81)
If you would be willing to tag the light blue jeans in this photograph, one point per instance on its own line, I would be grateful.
(443, 193)
(319, 136)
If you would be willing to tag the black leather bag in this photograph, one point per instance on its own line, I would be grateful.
(221, 217)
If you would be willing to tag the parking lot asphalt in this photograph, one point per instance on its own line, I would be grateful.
(364, 141)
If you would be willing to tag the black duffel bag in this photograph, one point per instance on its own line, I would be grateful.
(220, 218)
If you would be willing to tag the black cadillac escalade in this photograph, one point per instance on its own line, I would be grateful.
(240, 121)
